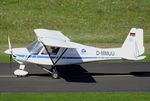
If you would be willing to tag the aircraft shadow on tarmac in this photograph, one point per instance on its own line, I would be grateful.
(71, 73)
(76, 73)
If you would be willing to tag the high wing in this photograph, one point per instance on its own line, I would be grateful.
(53, 38)
(52, 34)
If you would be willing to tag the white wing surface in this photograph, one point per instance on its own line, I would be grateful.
(51, 34)
(54, 38)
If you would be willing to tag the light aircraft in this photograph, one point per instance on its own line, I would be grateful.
(53, 48)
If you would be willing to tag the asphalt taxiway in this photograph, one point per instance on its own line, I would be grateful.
(91, 77)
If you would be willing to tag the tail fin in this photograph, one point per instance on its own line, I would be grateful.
(133, 46)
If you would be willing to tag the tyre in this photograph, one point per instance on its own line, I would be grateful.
(55, 75)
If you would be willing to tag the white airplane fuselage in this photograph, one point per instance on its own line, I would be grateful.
(71, 56)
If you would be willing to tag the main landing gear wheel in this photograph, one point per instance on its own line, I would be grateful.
(55, 75)
(53, 72)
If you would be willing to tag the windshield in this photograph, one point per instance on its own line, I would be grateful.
(35, 47)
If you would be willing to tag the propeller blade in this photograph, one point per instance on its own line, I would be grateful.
(10, 48)
(9, 44)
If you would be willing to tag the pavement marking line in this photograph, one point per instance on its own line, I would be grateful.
(7, 76)
(14, 76)
(106, 76)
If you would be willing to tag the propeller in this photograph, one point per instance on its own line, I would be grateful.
(10, 49)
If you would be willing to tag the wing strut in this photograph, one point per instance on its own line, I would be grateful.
(54, 63)
(48, 53)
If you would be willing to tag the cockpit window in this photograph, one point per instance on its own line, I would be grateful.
(35, 47)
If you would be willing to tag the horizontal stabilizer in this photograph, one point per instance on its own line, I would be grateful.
(136, 58)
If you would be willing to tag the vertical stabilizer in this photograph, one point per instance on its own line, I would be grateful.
(133, 46)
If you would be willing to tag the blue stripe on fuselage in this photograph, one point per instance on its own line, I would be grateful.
(64, 57)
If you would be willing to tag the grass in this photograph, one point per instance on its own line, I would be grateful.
(4, 58)
(103, 21)
(75, 96)
(93, 22)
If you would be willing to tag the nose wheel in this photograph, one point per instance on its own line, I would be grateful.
(21, 72)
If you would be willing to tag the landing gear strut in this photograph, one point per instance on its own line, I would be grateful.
(53, 72)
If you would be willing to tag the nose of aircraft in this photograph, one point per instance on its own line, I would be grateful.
(8, 51)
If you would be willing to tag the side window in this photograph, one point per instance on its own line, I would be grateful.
(51, 50)
(54, 50)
